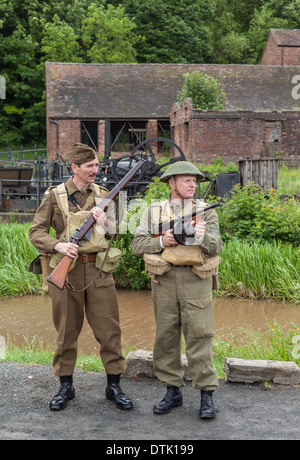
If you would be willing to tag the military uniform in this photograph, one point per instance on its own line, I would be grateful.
(97, 299)
(182, 300)
(101, 306)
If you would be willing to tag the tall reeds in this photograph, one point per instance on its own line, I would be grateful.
(260, 269)
(16, 253)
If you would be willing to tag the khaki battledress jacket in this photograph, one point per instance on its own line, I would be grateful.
(98, 301)
(182, 303)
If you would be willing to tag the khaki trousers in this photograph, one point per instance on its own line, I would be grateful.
(183, 302)
(99, 302)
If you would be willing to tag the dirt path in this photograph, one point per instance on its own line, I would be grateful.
(243, 411)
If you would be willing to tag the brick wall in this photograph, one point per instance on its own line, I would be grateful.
(68, 134)
(207, 135)
(272, 54)
(282, 48)
(291, 55)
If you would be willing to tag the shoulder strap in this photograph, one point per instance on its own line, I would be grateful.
(99, 192)
(61, 195)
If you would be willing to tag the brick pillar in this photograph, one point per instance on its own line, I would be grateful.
(151, 131)
(68, 133)
(101, 137)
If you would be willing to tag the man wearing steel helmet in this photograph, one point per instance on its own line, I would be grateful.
(182, 283)
(94, 293)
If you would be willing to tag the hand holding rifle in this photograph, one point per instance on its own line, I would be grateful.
(59, 275)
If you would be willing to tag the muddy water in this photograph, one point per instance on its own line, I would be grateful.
(31, 317)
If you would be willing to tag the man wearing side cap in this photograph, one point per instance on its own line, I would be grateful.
(94, 295)
(182, 282)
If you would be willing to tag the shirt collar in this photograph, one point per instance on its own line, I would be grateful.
(71, 187)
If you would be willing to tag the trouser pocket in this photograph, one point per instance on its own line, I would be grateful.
(198, 321)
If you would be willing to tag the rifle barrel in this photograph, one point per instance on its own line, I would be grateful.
(78, 236)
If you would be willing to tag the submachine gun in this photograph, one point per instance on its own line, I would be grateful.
(183, 227)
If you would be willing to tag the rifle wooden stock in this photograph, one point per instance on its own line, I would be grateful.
(59, 274)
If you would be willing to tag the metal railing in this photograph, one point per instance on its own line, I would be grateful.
(23, 183)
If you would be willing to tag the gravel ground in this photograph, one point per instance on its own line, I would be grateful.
(243, 411)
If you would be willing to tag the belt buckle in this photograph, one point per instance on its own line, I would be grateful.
(84, 258)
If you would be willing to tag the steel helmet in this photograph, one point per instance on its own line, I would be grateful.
(181, 167)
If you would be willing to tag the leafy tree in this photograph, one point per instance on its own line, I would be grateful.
(274, 14)
(204, 90)
(107, 35)
(176, 32)
(59, 42)
(259, 29)
(23, 84)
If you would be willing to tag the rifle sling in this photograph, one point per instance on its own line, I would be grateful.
(70, 286)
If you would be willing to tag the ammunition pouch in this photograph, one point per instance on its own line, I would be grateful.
(96, 241)
(57, 257)
(111, 261)
(41, 266)
(154, 264)
(208, 268)
(183, 255)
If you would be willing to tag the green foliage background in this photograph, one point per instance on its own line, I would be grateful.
(143, 31)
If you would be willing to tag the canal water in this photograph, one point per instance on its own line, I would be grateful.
(31, 317)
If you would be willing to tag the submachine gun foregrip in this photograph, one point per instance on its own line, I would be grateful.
(59, 275)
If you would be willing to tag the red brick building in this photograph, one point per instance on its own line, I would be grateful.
(205, 135)
(114, 106)
(282, 48)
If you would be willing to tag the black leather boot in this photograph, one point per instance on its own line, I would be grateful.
(114, 393)
(66, 393)
(207, 409)
(173, 398)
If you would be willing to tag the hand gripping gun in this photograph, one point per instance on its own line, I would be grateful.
(183, 227)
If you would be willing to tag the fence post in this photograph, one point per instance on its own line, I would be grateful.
(1, 193)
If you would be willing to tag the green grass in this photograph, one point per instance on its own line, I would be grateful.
(288, 180)
(35, 352)
(16, 253)
(28, 152)
(277, 345)
(256, 269)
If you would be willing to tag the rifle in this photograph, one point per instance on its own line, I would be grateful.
(180, 229)
(59, 274)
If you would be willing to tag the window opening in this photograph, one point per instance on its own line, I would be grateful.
(89, 134)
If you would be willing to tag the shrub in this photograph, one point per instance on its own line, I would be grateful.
(204, 90)
(254, 214)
